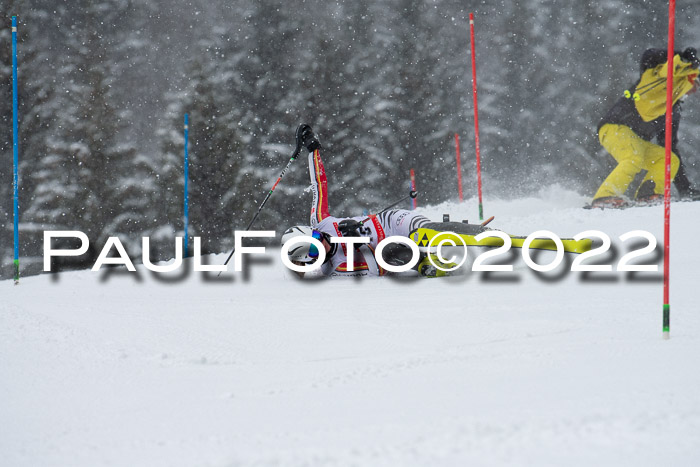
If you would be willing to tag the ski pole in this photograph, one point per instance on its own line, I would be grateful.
(412, 195)
(15, 146)
(667, 175)
(476, 118)
(294, 156)
(487, 221)
(186, 210)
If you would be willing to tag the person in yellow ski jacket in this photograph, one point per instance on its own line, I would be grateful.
(629, 128)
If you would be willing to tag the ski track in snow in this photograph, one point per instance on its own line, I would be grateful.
(275, 371)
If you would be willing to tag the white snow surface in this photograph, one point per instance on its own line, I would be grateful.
(130, 370)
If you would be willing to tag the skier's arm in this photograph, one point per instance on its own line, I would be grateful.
(319, 188)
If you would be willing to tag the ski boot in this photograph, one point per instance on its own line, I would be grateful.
(610, 202)
(427, 269)
(650, 200)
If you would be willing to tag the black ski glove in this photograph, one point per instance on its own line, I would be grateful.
(349, 228)
(306, 138)
(691, 55)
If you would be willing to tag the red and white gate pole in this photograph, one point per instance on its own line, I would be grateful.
(459, 169)
(476, 118)
(667, 178)
(413, 188)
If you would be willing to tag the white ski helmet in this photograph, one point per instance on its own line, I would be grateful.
(301, 252)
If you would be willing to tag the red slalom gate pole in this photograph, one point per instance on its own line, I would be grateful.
(413, 188)
(459, 169)
(476, 118)
(667, 177)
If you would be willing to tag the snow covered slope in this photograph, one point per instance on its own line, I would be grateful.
(511, 369)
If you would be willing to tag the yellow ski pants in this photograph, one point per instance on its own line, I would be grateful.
(633, 154)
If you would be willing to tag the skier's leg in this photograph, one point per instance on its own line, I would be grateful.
(401, 222)
(456, 227)
(628, 149)
(682, 183)
(655, 165)
(319, 188)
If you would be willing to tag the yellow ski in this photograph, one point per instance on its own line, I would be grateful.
(424, 236)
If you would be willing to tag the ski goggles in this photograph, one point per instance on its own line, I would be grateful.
(313, 251)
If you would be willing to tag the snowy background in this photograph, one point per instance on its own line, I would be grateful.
(506, 369)
(511, 369)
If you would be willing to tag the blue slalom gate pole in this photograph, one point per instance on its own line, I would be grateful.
(15, 146)
(187, 214)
